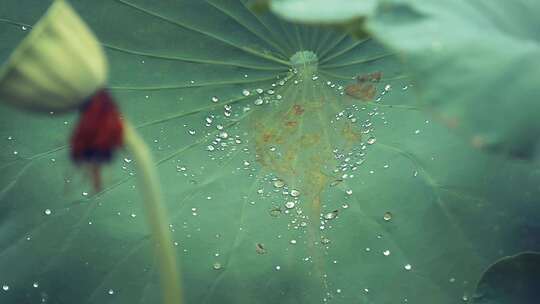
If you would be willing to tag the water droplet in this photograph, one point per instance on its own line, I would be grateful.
(85, 193)
(191, 132)
(35, 284)
(386, 252)
(348, 191)
(133, 215)
(371, 140)
(259, 248)
(278, 267)
(110, 291)
(331, 215)
(259, 90)
(217, 266)
(215, 99)
(245, 92)
(289, 205)
(275, 212)
(47, 211)
(223, 135)
(387, 87)
(315, 77)
(417, 132)
(345, 206)
(24, 28)
(325, 241)
(338, 290)
(407, 266)
(293, 242)
(5, 287)
(258, 101)
(387, 216)
(295, 193)
(210, 148)
(279, 183)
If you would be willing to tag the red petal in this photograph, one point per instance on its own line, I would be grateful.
(99, 131)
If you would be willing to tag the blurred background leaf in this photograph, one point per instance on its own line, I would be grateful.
(321, 11)
(388, 205)
(475, 65)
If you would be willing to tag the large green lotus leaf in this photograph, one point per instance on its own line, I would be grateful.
(419, 215)
(475, 65)
(512, 279)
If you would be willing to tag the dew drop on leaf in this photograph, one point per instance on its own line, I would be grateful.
(47, 211)
(331, 215)
(5, 287)
(279, 183)
(387, 216)
(289, 205)
(295, 193)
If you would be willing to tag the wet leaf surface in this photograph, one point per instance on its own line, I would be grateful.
(279, 185)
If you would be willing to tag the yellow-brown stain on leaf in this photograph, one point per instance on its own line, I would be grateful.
(365, 87)
(294, 139)
(350, 134)
(298, 109)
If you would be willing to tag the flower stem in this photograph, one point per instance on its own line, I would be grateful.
(156, 215)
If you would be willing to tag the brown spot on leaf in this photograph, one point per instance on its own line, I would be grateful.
(373, 77)
(291, 123)
(259, 248)
(267, 137)
(364, 89)
(298, 110)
